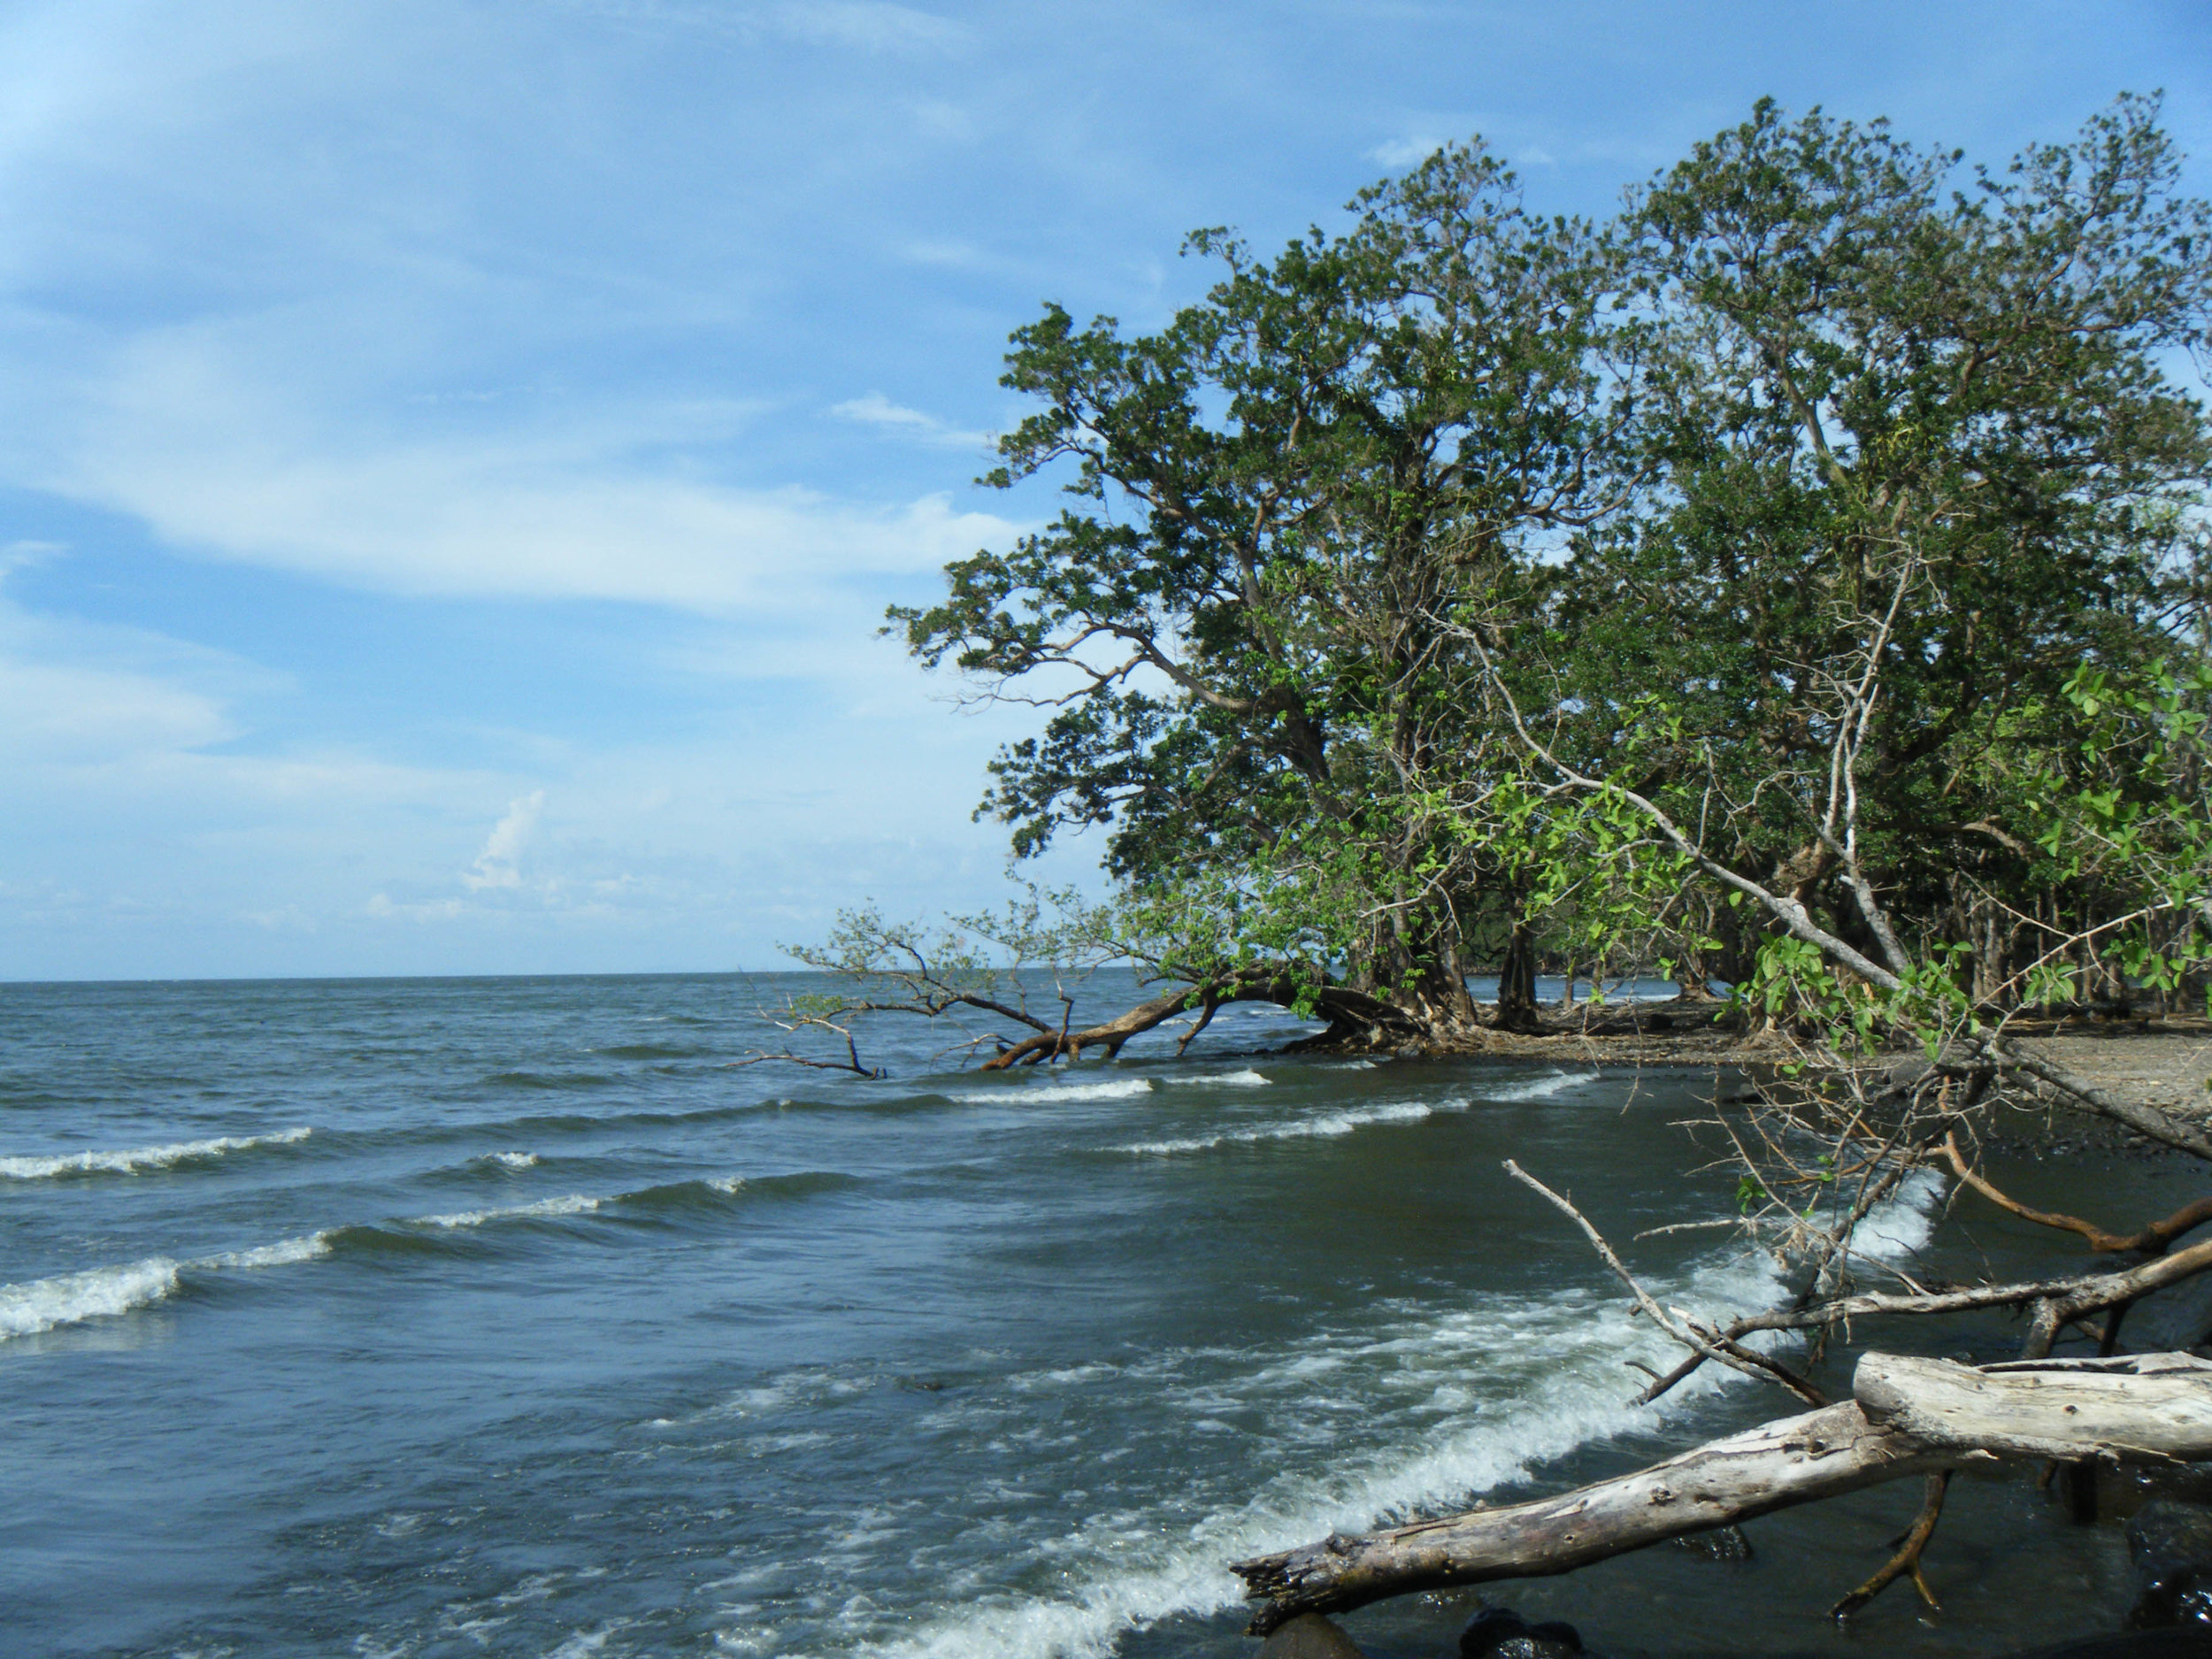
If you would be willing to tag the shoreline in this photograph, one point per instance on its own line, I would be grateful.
(2162, 1061)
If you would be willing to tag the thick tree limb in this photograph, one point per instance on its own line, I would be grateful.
(2144, 1118)
(1110, 1034)
(1336, 1003)
(1907, 1417)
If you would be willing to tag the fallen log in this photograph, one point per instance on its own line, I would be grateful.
(1907, 1416)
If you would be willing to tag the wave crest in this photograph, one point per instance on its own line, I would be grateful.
(1119, 1088)
(130, 1160)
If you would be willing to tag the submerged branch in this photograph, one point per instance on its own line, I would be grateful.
(2155, 1237)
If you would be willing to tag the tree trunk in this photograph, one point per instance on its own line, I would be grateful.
(1909, 1417)
(1516, 981)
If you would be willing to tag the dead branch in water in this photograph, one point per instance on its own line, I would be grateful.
(1907, 1416)
(2153, 1237)
(1699, 1340)
(1906, 1561)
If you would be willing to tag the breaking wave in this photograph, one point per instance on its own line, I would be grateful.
(571, 1205)
(1494, 1392)
(1326, 1126)
(1537, 1088)
(130, 1161)
(42, 1304)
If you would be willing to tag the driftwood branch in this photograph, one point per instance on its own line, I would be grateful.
(2057, 1303)
(852, 1063)
(1907, 1417)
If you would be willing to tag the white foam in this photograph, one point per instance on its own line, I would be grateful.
(586, 1644)
(127, 1161)
(1538, 1088)
(1899, 1227)
(1120, 1088)
(572, 1204)
(1246, 1078)
(1481, 1398)
(513, 1160)
(1552, 1378)
(41, 1305)
(807, 1386)
(284, 1253)
(1327, 1125)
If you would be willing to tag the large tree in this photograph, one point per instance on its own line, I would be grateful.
(1272, 503)
(1828, 470)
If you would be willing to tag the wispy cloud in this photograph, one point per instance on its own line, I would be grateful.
(869, 26)
(872, 27)
(876, 409)
(85, 696)
(619, 504)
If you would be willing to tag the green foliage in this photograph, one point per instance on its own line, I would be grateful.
(2128, 812)
(1878, 408)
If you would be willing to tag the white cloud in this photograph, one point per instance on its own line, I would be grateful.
(876, 409)
(498, 865)
(1404, 152)
(948, 253)
(89, 715)
(598, 504)
(87, 696)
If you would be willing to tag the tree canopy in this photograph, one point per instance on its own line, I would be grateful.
(1809, 503)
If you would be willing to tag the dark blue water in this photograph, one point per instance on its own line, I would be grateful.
(446, 1318)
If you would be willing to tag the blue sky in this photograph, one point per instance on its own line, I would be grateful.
(454, 457)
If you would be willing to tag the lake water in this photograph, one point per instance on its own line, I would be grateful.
(439, 1317)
